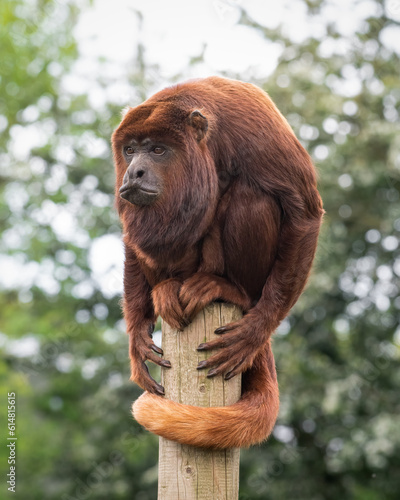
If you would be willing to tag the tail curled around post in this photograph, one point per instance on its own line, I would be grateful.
(247, 422)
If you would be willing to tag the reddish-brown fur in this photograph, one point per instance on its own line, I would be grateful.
(237, 220)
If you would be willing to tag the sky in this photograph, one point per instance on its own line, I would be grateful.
(174, 31)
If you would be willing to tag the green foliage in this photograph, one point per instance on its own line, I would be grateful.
(65, 352)
(75, 434)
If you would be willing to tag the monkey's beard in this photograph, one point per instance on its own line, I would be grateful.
(177, 219)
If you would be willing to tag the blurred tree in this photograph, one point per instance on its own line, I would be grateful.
(65, 352)
(64, 348)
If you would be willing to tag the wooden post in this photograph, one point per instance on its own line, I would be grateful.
(185, 472)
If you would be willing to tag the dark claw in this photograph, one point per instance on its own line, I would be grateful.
(223, 329)
(202, 364)
(229, 375)
(166, 363)
(212, 373)
(202, 347)
(151, 330)
(156, 349)
(160, 389)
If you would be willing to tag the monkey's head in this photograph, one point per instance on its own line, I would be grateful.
(165, 172)
(143, 179)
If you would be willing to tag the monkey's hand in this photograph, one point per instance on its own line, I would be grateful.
(167, 304)
(142, 349)
(240, 342)
(203, 288)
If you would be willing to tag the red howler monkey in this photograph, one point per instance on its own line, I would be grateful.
(218, 200)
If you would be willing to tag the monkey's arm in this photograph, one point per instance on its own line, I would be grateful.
(241, 341)
(290, 272)
(140, 318)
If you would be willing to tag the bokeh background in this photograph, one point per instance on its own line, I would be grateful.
(67, 69)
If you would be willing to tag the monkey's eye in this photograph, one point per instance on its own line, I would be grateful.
(158, 150)
(129, 150)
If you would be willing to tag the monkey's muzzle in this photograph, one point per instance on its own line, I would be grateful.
(138, 193)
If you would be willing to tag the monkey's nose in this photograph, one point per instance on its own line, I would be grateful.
(135, 172)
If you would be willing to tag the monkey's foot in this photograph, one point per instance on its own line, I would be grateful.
(167, 304)
(203, 288)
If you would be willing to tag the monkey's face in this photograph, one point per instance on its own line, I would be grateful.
(166, 180)
(160, 160)
(146, 161)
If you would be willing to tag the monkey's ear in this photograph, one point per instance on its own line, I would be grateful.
(200, 124)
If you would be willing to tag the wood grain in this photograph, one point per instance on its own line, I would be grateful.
(185, 472)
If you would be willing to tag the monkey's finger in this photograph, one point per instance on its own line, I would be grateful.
(157, 349)
(228, 360)
(166, 305)
(175, 322)
(217, 359)
(239, 368)
(214, 344)
(233, 373)
(186, 294)
(184, 298)
(148, 383)
(198, 299)
(183, 321)
(196, 293)
(174, 316)
(225, 328)
(150, 356)
(231, 367)
(193, 308)
(198, 304)
(222, 368)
